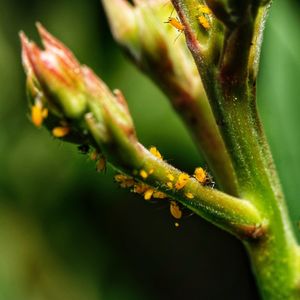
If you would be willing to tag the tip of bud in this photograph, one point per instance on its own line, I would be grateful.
(122, 19)
(55, 71)
(27, 50)
(53, 45)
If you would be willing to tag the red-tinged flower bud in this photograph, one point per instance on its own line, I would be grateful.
(54, 73)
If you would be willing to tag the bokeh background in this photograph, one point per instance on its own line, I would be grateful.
(67, 232)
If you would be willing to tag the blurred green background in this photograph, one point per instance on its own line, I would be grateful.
(67, 232)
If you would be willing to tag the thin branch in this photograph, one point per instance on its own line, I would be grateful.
(100, 118)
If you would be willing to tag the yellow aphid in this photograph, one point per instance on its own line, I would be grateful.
(159, 195)
(175, 210)
(127, 183)
(124, 181)
(176, 24)
(101, 164)
(38, 114)
(204, 9)
(189, 195)
(94, 155)
(155, 152)
(143, 174)
(151, 171)
(60, 131)
(45, 113)
(140, 188)
(170, 185)
(176, 224)
(148, 194)
(200, 175)
(120, 177)
(170, 177)
(204, 22)
(181, 181)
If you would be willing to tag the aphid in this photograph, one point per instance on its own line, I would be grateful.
(60, 131)
(204, 22)
(175, 210)
(159, 195)
(94, 155)
(148, 194)
(170, 177)
(38, 114)
(144, 174)
(176, 224)
(140, 188)
(124, 181)
(169, 184)
(176, 24)
(101, 164)
(200, 175)
(204, 9)
(156, 153)
(189, 195)
(151, 171)
(181, 181)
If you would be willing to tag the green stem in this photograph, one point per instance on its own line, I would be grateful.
(275, 258)
(230, 87)
(235, 215)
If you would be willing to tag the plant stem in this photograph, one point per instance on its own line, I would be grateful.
(237, 216)
(275, 257)
(231, 88)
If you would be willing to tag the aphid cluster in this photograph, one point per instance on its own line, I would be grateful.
(39, 113)
(137, 187)
(172, 182)
(100, 160)
(204, 17)
(95, 156)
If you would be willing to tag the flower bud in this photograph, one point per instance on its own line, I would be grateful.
(55, 73)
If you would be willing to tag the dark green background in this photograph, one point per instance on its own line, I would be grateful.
(67, 232)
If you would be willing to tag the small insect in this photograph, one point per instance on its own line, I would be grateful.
(175, 210)
(144, 174)
(94, 155)
(38, 114)
(159, 195)
(176, 24)
(140, 188)
(181, 181)
(201, 175)
(204, 177)
(60, 131)
(189, 195)
(204, 9)
(204, 16)
(148, 194)
(204, 22)
(101, 164)
(170, 185)
(170, 177)
(176, 224)
(156, 153)
(124, 181)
